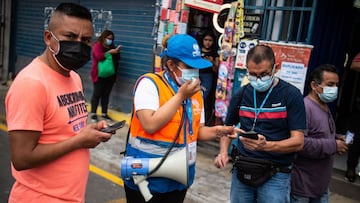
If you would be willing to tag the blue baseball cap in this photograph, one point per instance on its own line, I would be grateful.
(186, 49)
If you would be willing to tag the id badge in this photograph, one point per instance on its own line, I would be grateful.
(192, 153)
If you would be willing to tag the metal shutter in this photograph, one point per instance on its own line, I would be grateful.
(131, 21)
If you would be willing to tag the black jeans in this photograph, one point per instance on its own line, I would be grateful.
(354, 152)
(134, 196)
(102, 89)
(354, 148)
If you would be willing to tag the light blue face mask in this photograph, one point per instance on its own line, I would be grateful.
(261, 85)
(108, 42)
(329, 94)
(187, 74)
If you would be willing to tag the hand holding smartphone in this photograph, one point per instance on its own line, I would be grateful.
(250, 134)
(114, 127)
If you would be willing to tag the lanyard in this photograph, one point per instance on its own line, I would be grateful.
(187, 102)
(258, 110)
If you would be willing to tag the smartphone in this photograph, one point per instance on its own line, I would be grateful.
(250, 134)
(114, 127)
(119, 46)
(349, 137)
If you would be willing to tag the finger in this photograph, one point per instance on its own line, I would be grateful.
(232, 136)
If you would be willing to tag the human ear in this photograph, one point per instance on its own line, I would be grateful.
(47, 37)
(313, 85)
(171, 65)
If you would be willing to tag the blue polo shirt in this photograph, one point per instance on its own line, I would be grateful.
(282, 112)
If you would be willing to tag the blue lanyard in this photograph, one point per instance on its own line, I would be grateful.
(258, 110)
(188, 105)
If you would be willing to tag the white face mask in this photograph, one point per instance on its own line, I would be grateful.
(109, 42)
(186, 74)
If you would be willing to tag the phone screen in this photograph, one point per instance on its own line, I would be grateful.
(250, 134)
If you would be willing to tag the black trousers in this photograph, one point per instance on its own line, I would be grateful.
(354, 152)
(102, 90)
(134, 196)
(354, 148)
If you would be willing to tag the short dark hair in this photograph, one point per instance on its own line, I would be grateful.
(317, 74)
(75, 10)
(260, 53)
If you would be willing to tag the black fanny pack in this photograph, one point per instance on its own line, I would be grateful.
(255, 172)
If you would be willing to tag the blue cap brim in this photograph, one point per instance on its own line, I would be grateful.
(198, 63)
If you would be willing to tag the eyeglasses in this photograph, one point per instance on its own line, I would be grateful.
(262, 77)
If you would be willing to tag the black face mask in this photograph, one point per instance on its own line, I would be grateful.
(71, 55)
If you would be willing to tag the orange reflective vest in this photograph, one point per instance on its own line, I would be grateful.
(168, 132)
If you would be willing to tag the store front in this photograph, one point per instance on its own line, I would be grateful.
(131, 21)
(140, 25)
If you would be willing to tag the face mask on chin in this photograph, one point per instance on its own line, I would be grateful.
(71, 55)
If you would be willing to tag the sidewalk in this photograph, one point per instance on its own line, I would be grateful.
(211, 185)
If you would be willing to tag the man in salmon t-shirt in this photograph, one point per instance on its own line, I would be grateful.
(46, 115)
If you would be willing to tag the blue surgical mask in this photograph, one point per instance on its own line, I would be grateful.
(263, 83)
(329, 94)
(187, 74)
(108, 42)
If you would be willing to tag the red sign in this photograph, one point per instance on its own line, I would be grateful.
(212, 6)
(293, 60)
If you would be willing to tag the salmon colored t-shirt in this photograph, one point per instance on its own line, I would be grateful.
(41, 99)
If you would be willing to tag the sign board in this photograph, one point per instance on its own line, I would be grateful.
(293, 60)
(253, 25)
(211, 6)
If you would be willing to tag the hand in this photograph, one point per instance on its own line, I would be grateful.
(254, 145)
(221, 160)
(227, 131)
(189, 88)
(114, 51)
(341, 146)
(91, 136)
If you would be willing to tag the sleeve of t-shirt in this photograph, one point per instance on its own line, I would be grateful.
(25, 111)
(295, 109)
(146, 95)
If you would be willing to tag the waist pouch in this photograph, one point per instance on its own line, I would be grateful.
(255, 172)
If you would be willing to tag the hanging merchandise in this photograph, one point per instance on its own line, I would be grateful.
(243, 47)
(227, 57)
(173, 19)
(239, 23)
(240, 63)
